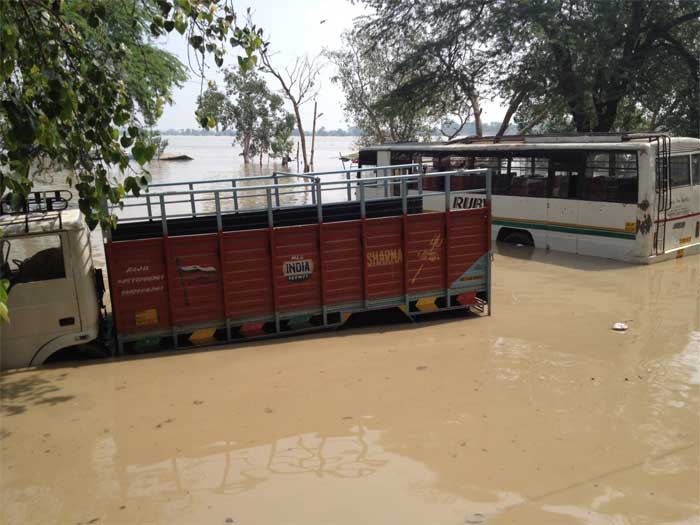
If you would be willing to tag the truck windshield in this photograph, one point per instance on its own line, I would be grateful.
(29, 259)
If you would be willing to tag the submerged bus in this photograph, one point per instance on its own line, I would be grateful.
(633, 197)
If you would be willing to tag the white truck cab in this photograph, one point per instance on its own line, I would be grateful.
(55, 293)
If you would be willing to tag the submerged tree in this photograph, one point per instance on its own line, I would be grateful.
(580, 61)
(258, 116)
(299, 84)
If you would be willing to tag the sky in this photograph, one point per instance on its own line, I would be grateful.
(293, 28)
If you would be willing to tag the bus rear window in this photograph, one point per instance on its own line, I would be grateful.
(610, 177)
(680, 171)
(695, 161)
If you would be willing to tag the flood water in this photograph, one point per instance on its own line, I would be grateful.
(540, 414)
(217, 158)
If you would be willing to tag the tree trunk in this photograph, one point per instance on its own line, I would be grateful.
(302, 137)
(476, 108)
(512, 108)
(313, 137)
(246, 149)
(539, 118)
(606, 116)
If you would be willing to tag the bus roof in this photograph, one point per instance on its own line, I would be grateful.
(628, 142)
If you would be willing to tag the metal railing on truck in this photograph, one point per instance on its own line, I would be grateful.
(244, 255)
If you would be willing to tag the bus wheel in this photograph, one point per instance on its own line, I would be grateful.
(511, 236)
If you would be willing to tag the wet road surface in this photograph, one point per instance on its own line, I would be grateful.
(540, 414)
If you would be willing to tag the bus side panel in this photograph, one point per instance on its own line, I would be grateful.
(138, 285)
(468, 236)
(296, 268)
(608, 229)
(247, 273)
(384, 258)
(196, 294)
(425, 240)
(342, 262)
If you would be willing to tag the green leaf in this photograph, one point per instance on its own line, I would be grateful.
(180, 25)
(196, 41)
(169, 25)
(4, 313)
(126, 141)
(143, 152)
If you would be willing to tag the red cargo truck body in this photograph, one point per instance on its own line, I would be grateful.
(193, 272)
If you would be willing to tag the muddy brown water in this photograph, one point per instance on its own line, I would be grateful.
(540, 414)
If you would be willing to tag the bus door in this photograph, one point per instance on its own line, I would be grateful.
(563, 204)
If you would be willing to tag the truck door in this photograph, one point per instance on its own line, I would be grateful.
(42, 300)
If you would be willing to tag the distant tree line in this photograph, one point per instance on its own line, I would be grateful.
(321, 132)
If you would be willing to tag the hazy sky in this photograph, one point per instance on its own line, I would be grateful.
(293, 28)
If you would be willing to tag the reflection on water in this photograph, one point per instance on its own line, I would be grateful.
(228, 468)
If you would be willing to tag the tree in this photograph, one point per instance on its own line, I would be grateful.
(75, 93)
(595, 57)
(366, 73)
(258, 116)
(299, 85)
(77, 88)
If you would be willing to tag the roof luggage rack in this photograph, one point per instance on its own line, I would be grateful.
(37, 202)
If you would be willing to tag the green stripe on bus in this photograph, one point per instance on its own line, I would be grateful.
(566, 229)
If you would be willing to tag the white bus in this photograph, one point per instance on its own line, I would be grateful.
(630, 197)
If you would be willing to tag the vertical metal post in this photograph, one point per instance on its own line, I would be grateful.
(447, 240)
(447, 192)
(420, 178)
(319, 204)
(349, 185)
(404, 197)
(235, 195)
(363, 207)
(166, 251)
(270, 216)
(319, 212)
(192, 205)
(386, 182)
(489, 233)
(217, 202)
(313, 193)
(163, 218)
(277, 190)
(404, 239)
(148, 205)
(219, 233)
(363, 222)
(271, 224)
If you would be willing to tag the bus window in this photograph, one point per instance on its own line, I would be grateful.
(610, 177)
(696, 169)
(528, 176)
(566, 169)
(680, 171)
